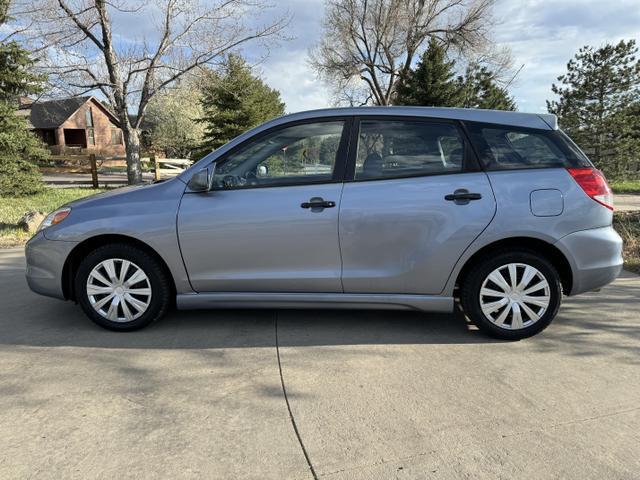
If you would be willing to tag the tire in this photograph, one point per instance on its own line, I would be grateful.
(512, 313)
(137, 304)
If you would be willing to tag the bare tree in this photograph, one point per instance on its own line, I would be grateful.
(368, 44)
(86, 49)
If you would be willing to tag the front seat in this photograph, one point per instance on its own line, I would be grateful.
(372, 166)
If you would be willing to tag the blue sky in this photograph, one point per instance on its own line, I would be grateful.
(542, 34)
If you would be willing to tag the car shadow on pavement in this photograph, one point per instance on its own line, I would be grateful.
(53, 323)
(590, 324)
(598, 324)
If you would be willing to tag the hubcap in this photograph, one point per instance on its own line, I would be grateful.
(515, 296)
(119, 290)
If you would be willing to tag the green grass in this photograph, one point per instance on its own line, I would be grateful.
(11, 209)
(627, 224)
(625, 186)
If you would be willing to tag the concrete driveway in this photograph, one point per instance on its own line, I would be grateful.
(627, 202)
(369, 395)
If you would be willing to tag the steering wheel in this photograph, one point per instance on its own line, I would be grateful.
(251, 178)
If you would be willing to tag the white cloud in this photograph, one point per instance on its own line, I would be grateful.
(298, 86)
(544, 35)
(287, 68)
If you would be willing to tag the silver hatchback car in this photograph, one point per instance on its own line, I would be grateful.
(399, 208)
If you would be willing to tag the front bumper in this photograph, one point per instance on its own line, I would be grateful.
(45, 263)
(595, 256)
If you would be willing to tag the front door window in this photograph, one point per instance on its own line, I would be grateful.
(294, 155)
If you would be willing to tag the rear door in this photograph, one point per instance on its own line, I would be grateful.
(416, 201)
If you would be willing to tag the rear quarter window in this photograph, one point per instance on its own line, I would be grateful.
(509, 148)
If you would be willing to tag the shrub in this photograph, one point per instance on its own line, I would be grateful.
(19, 148)
(18, 177)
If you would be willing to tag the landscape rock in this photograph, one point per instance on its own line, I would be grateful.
(30, 221)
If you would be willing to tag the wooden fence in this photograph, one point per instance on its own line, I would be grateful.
(95, 166)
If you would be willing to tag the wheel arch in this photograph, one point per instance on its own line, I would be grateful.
(88, 245)
(546, 249)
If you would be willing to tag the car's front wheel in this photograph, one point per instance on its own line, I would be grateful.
(512, 295)
(121, 287)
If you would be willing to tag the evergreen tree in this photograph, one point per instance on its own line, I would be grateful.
(15, 63)
(328, 149)
(15, 76)
(234, 100)
(18, 146)
(433, 81)
(598, 105)
(478, 89)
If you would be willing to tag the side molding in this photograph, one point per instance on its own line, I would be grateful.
(424, 303)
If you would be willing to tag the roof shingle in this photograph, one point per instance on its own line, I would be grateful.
(54, 113)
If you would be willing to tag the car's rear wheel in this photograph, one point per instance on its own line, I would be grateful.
(121, 287)
(512, 295)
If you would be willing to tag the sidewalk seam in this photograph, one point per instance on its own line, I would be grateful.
(286, 399)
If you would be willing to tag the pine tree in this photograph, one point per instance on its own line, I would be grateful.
(18, 146)
(433, 81)
(15, 76)
(234, 100)
(598, 104)
(479, 90)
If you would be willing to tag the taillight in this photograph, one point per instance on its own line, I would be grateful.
(594, 184)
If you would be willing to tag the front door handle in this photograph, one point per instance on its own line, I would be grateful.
(462, 196)
(318, 203)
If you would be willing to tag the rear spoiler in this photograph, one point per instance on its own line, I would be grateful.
(550, 119)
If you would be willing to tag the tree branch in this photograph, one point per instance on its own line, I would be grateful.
(84, 28)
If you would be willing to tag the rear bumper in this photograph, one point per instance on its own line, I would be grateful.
(45, 262)
(595, 256)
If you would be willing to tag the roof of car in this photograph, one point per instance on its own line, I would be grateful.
(544, 121)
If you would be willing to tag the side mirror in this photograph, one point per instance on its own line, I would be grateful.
(202, 180)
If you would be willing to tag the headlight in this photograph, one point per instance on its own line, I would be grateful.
(55, 217)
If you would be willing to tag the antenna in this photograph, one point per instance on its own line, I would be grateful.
(514, 76)
(509, 83)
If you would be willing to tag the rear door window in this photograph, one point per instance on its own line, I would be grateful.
(405, 148)
(508, 148)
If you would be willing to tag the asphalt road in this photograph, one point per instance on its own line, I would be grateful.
(372, 395)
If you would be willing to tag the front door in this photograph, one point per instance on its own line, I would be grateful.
(271, 223)
(412, 208)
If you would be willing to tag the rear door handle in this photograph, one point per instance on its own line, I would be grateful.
(462, 195)
(318, 202)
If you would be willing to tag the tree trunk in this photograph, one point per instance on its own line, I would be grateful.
(132, 147)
